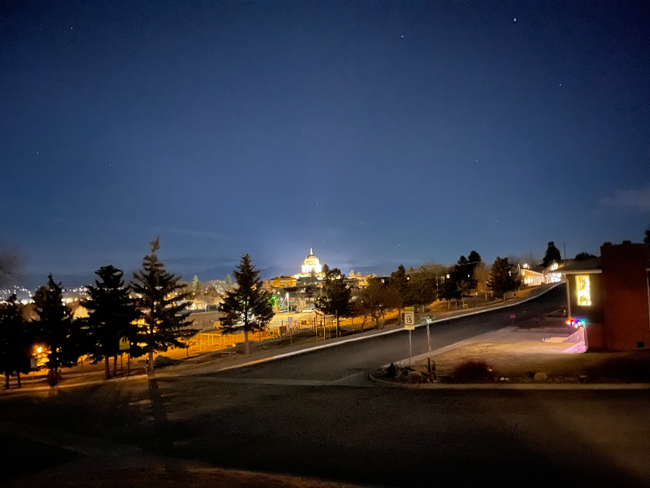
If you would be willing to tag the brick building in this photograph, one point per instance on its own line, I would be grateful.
(612, 294)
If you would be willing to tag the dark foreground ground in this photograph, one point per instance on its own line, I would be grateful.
(379, 436)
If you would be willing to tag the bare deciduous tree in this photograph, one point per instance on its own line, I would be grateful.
(9, 265)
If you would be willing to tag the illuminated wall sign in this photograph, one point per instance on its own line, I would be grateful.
(584, 290)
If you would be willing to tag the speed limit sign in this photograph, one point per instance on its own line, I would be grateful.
(409, 320)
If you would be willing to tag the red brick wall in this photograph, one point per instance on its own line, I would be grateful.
(625, 286)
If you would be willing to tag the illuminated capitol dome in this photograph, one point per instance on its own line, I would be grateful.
(311, 264)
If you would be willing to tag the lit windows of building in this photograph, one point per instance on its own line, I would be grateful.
(583, 288)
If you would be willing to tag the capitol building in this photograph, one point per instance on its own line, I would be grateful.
(311, 265)
(298, 292)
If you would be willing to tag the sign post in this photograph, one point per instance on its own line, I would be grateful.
(409, 324)
(429, 320)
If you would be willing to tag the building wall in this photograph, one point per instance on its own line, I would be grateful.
(531, 278)
(625, 285)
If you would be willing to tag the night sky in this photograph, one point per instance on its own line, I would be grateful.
(377, 133)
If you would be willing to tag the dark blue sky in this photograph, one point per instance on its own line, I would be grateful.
(374, 132)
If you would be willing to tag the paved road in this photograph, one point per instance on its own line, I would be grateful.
(381, 435)
(336, 363)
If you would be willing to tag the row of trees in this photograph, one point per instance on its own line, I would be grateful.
(250, 306)
(148, 315)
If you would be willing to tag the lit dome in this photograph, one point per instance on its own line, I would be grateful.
(311, 263)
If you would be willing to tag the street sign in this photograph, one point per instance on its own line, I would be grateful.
(125, 344)
(290, 320)
(409, 327)
(409, 317)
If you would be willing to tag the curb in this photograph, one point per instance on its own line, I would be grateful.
(511, 386)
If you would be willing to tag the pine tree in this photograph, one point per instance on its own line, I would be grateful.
(16, 341)
(163, 303)
(646, 239)
(474, 258)
(450, 290)
(196, 286)
(111, 316)
(336, 296)
(552, 255)
(584, 256)
(463, 273)
(474, 262)
(504, 277)
(248, 305)
(399, 281)
(56, 327)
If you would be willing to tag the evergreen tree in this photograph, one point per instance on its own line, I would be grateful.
(196, 286)
(248, 305)
(228, 280)
(335, 299)
(474, 263)
(584, 256)
(504, 277)
(163, 304)
(463, 274)
(450, 289)
(552, 255)
(646, 239)
(399, 281)
(111, 316)
(56, 327)
(474, 258)
(16, 341)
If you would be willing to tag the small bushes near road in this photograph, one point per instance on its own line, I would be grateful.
(399, 374)
(472, 372)
(466, 372)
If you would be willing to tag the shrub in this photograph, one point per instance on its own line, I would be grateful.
(473, 372)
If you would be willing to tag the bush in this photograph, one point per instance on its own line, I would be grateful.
(473, 372)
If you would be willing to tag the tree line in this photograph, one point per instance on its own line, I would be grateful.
(147, 315)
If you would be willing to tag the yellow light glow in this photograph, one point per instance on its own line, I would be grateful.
(584, 290)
